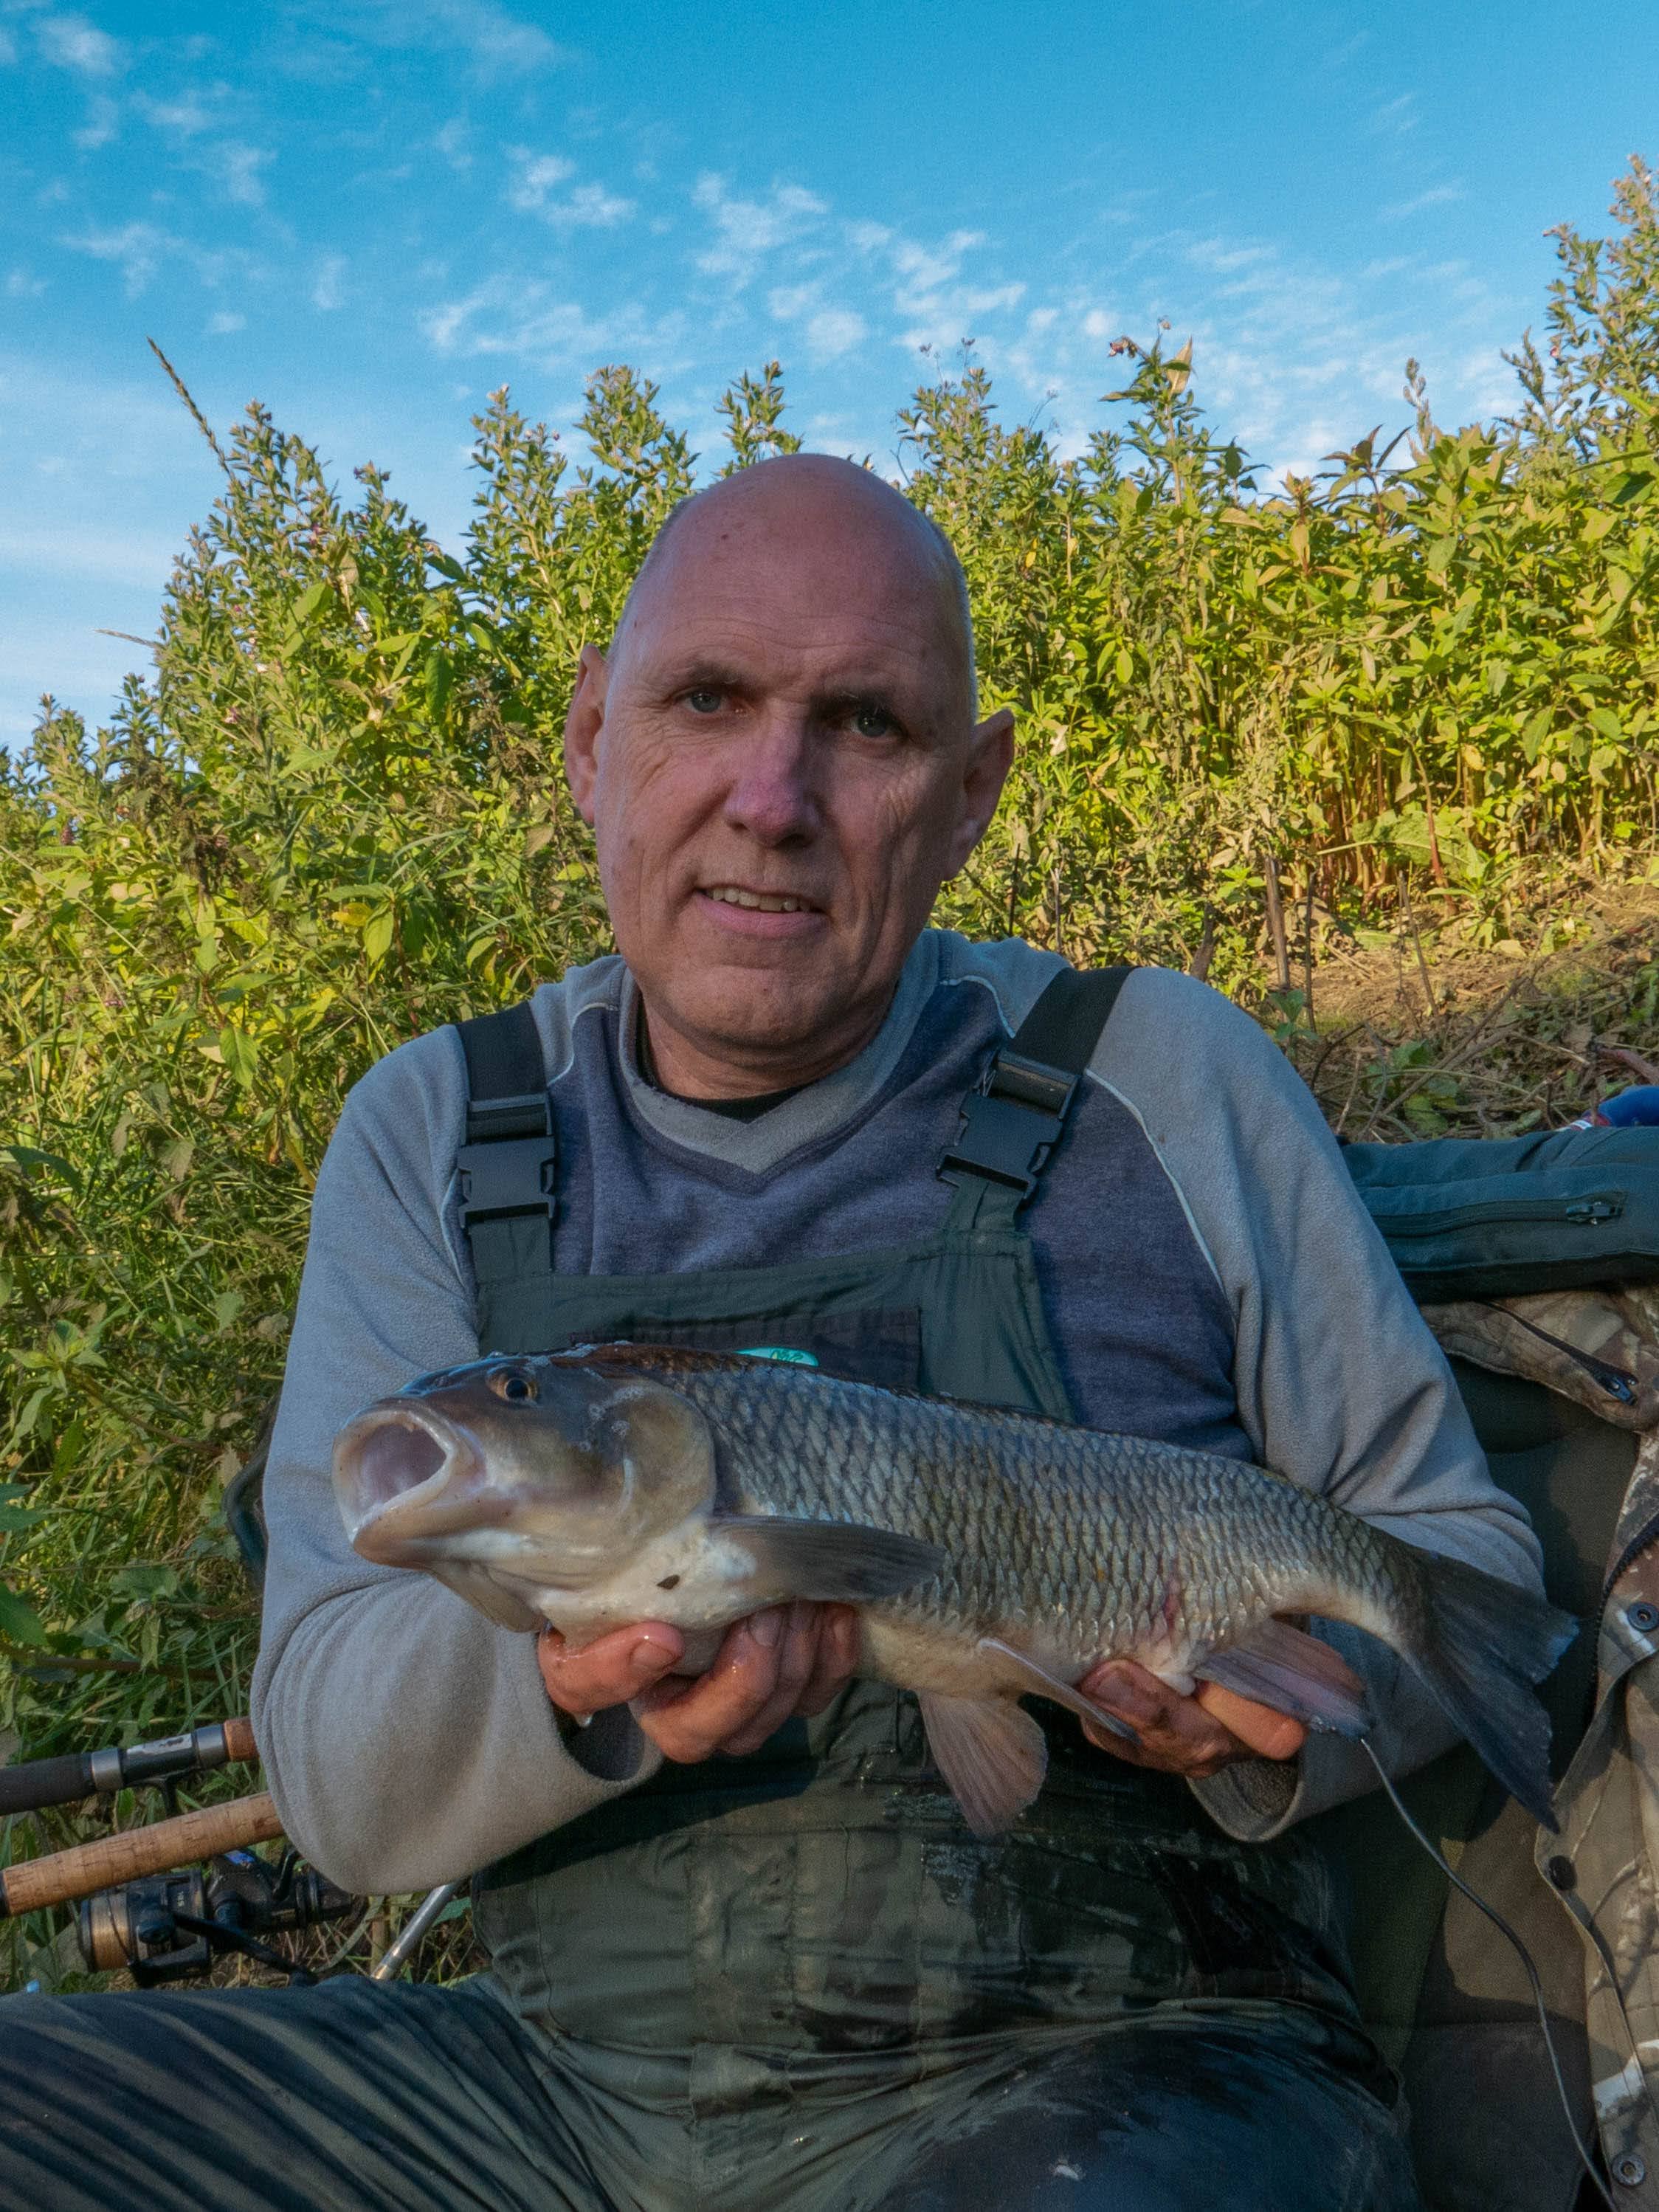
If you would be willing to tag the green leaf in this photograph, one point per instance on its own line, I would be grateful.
(308, 602)
(143, 1582)
(241, 1053)
(439, 678)
(19, 1621)
(377, 932)
(31, 1161)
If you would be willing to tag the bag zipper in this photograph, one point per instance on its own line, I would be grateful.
(1588, 1211)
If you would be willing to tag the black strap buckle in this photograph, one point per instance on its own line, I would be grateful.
(1011, 1123)
(506, 1169)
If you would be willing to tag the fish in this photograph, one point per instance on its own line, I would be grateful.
(991, 1554)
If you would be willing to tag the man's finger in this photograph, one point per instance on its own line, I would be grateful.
(1181, 1735)
(693, 1723)
(611, 1670)
(797, 1659)
(835, 1655)
(1262, 1728)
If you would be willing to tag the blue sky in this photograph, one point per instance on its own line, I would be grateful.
(369, 213)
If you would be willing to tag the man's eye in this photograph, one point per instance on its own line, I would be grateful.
(703, 700)
(872, 722)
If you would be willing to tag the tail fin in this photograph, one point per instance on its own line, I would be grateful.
(1485, 1642)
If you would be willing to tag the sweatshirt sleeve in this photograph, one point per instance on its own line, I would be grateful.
(406, 1740)
(1340, 1385)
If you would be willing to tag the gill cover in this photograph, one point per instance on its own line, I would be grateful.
(494, 1464)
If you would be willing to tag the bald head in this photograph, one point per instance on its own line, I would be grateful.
(797, 495)
(781, 764)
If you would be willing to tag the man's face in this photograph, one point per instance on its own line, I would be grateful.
(780, 768)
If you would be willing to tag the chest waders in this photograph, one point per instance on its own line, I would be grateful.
(792, 1983)
(824, 1894)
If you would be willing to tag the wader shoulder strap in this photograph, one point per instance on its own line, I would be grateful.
(507, 1165)
(1011, 1120)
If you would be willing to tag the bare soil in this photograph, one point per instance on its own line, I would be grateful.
(1432, 1035)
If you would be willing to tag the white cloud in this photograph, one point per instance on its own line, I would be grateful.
(1395, 118)
(72, 43)
(497, 41)
(530, 320)
(24, 284)
(103, 120)
(746, 231)
(224, 325)
(498, 44)
(235, 167)
(833, 331)
(139, 248)
(828, 331)
(186, 115)
(589, 206)
(8, 47)
(450, 142)
(925, 268)
(537, 173)
(1436, 195)
(326, 293)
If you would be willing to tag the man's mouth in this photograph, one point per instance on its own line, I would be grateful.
(761, 902)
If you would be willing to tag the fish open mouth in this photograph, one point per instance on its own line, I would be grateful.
(405, 1480)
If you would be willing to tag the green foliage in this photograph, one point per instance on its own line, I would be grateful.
(331, 817)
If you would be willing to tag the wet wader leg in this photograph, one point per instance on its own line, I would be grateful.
(1187, 2115)
(346, 2098)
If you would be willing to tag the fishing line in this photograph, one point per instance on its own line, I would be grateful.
(1521, 1952)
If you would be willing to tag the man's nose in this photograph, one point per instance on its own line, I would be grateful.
(773, 794)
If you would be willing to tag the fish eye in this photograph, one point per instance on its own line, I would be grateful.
(515, 1386)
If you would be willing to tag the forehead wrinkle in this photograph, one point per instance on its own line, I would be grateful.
(745, 648)
(706, 533)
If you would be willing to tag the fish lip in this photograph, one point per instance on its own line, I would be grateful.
(373, 1528)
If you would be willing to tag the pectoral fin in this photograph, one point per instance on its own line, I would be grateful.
(1040, 1683)
(991, 1751)
(834, 1561)
(1280, 1666)
(477, 1587)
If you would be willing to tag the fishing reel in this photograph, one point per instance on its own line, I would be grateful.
(167, 1927)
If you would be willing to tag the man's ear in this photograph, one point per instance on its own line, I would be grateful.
(990, 756)
(582, 725)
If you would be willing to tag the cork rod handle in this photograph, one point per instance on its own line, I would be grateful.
(154, 1849)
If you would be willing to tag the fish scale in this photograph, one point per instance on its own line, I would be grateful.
(1020, 1530)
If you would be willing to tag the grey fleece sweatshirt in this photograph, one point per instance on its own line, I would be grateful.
(1208, 1275)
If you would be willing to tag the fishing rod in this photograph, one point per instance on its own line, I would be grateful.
(38, 1782)
(204, 1833)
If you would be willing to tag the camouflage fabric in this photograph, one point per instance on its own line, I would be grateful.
(1603, 1865)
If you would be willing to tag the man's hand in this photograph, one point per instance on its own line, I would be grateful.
(1194, 1736)
(790, 1659)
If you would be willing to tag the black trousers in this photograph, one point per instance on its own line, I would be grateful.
(358, 2098)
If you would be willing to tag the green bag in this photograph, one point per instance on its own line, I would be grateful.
(1484, 1218)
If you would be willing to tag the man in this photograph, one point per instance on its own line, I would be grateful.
(744, 1951)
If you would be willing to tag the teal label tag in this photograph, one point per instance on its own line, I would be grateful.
(783, 1352)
